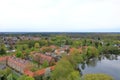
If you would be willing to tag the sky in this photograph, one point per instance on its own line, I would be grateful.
(59, 15)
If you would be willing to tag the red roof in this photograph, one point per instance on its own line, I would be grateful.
(28, 72)
(42, 71)
(3, 58)
(44, 57)
(52, 67)
(53, 46)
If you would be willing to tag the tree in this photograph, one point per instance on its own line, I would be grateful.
(19, 54)
(77, 43)
(75, 75)
(5, 73)
(62, 69)
(45, 64)
(31, 44)
(46, 49)
(92, 52)
(25, 78)
(25, 46)
(111, 50)
(2, 49)
(47, 74)
(10, 77)
(75, 58)
(27, 51)
(37, 59)
(97, 77)
(29, 78)
(37, 45)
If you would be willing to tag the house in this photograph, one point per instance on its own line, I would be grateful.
(43, 58)
(59, 51)
(18, 64)
(53, 47)
(10, 51)
(23, 66)
(44, 71)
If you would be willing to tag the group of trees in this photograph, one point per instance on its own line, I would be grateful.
(67, 68)
(111, 50)
(92, 52)
(7, 74)
(97, 77)
(65, 71)
(2, 49)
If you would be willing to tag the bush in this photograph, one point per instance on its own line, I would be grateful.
(97, 77)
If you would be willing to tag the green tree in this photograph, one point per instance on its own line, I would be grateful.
(19, 54)
(10, 77)
(97, 77)
(77, 43)
(75, 58)
(46, 49)
(31, 44)
(47, 74)
(2, 49)
(75, 75)
(92, 52)
(62, 70)
(37, 45)
(45, 64)
(27, 52)
(25, 46)
(25, 78)
(111, 50)
(4, 73)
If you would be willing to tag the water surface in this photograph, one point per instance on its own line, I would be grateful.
(107, 64)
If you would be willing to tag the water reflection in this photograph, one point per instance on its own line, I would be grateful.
(106, 63)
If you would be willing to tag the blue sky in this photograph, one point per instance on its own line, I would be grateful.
(59, 15)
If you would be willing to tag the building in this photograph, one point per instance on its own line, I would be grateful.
(18, 64)
(23, 66)
(43, 58)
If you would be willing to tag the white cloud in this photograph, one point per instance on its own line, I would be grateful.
(59, 15)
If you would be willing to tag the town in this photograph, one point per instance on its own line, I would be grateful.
(39, 56)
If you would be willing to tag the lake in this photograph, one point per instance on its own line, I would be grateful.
(107, 64)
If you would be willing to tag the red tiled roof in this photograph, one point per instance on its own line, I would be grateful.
(44, 57)
(53, 46)
(3, 58)
(19, 62)
(28, 72)
(42, 71)
(52, 67)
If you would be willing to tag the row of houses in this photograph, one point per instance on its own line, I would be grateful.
(23, 66)
(41, 58)
(18, 64)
